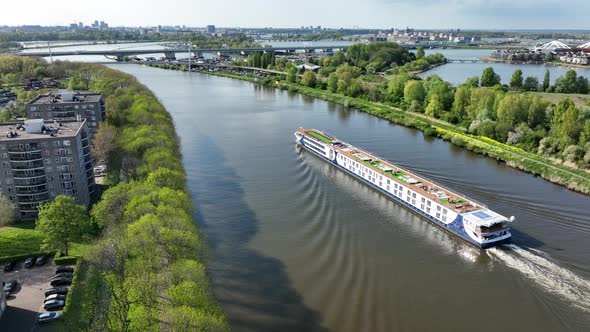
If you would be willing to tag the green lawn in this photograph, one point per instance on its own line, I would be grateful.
(18, 241)
(320, 137)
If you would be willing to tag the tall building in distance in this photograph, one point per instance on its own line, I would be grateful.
(64, 105)
(211, 29)
(40, 161)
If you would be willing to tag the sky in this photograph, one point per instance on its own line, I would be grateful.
(380, 14)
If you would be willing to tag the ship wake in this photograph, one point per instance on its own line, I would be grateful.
(551, 277)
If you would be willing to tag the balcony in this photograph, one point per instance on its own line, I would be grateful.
(32, 190)
(24, 150)
(27, 166)
(33, 199)
(25, 156)
(28, 182)
(32, 193)
(26, 174)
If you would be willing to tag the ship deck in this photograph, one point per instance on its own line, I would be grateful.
(435, 192)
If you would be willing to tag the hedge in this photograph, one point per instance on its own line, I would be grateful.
(12, 258)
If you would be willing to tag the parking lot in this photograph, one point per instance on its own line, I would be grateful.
(27, 301)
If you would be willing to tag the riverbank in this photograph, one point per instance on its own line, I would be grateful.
(570, 178)
(553, 63)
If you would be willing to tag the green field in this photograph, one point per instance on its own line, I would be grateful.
(581, 101)
(17, 241)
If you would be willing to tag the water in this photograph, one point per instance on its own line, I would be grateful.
(297, 245)
(457, 72)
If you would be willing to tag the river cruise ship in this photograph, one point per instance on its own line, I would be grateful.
(470, 220)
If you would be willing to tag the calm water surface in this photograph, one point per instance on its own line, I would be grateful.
(297, 245)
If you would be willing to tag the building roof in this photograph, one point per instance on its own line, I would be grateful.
(59, 97)
(15, 131)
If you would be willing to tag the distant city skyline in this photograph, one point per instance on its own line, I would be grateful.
(379, 14)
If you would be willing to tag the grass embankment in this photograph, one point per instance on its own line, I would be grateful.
(571, 178)
(19, 241)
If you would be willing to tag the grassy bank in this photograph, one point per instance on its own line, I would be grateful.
(19, 241)
(571, 178)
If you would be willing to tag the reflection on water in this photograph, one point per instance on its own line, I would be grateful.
(298, 244)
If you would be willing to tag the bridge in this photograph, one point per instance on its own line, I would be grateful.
(170, 53)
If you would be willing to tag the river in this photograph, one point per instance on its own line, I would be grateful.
(297, 245)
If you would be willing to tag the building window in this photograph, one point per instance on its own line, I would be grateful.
(437, 215)
(48, 161)
(428, 203)
(444, 211)
(422, 206)
(66, 143)
(438, 208)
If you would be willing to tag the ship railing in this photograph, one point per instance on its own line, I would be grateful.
(397, 168)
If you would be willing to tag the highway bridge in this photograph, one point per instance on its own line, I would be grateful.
(170, 53)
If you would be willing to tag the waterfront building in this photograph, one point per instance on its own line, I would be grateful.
(210, 29)
(64, 105)
(39, 161)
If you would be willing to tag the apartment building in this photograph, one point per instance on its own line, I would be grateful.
(39, 161)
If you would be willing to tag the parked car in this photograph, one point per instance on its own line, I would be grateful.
(9, 266)
(41, 261)
(10, 286)
(30, 261)
(63, 275)
(47, 317)
(56, 290)
(62, 269)
(54, 305)
(59, 281)
(59, 297)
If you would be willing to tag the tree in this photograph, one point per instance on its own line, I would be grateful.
(489, 78)
(7, 211)
(414, 95)
(547, 80)
(516, 81)
(567, 84)
(531, 83)
(104, 142)
(472, 82)
(420, 53)
(582, 85)
(395, 88)
(435, 107)
(461, 102)
(292, 74)
(308, 79)
(585, 134)
(62, 221)
(332, 82)
(338, 58)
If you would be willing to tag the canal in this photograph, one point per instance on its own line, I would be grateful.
(297, 245)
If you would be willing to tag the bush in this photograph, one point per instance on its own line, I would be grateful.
(66, 260)
(19, 257)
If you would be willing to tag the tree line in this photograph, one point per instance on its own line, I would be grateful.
(149, 254)
(509, 113)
